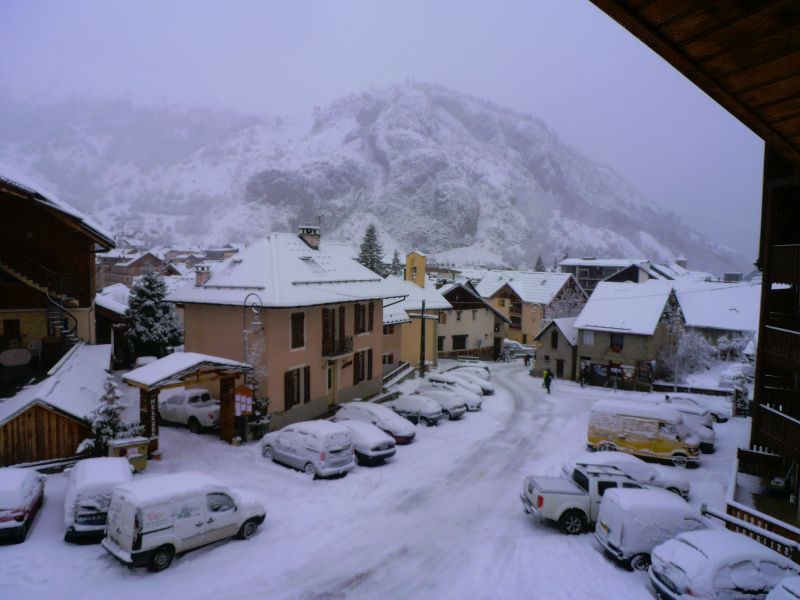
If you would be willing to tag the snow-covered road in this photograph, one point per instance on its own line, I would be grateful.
(441, 520)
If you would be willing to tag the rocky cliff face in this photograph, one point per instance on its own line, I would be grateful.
(449, 174)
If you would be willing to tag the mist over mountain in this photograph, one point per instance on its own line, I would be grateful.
(457, 177)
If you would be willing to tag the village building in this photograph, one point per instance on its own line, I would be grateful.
(126, 267)
(309, 321)
(472, 327)
(590, 271)
(718, 310)
(526, 298)
(557, 349)
(393, 318)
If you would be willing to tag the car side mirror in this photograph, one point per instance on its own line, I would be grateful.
(678, 438)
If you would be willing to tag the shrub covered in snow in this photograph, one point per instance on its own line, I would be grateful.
(107, 423)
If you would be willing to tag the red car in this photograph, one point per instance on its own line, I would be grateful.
(21, 496)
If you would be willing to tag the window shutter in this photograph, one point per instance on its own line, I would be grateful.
(371, 316)
(341, 322)
(355, 368)
(369, 363)
(288, 390)
(306, 384)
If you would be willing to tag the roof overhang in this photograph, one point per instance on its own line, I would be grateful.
(183, 368)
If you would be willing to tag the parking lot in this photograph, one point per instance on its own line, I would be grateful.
(442, 519)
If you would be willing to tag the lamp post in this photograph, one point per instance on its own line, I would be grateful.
(255, 323)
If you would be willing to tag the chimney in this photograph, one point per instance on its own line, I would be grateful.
(310, 234)
(202, 273)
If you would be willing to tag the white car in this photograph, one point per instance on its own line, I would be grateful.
(194, 408)
(318, 448)
(372, 445)
(452, 407)
(693, 410)
(472, 400)
(21, 497)
(706, 435)
(417, 409)
(718, 407)
(476, 367)
(379, 415)
(716, 564)
(454, 380)
(788, 589)
(487, 387)
(635, 468)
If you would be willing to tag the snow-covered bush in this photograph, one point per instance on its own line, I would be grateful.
(107, 423)
(152, 323)
(732, 348)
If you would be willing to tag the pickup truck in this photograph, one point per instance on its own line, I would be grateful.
(572, 503)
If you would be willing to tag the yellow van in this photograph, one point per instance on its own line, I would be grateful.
(644, 430)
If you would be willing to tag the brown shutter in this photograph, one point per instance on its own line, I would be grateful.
(358, 309)
(288, 390)
(342, 315)
(326, 330)
(355, 368)
(371, 316)
(369, 363)
(306, 384)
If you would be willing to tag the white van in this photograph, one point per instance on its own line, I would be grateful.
(89, 494)
(633, 522)
(153, 519)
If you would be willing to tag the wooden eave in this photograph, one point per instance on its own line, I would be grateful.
(745, 54)
(192, 376)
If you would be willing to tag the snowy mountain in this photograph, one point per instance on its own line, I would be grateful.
(436, 170)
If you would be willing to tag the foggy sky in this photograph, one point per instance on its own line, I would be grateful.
(603, 91)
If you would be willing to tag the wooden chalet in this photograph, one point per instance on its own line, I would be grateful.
(745, 54)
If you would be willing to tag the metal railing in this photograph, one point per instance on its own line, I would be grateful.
(337, 347)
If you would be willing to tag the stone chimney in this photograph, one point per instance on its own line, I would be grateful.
(310, 234)
(202, 273)
(682, 261)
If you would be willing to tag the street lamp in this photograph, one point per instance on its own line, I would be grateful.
(255, 323)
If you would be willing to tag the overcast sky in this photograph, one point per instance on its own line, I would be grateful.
(602, 90)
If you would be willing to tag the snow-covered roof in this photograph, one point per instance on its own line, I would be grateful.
(73, 386)
(393, 314)
(534, 287)
(714, 305)
(619, 263)
(173, 367)
(625, 307)
(567, 327)
(415, 294)
(114, 298)
(285, 272)
(160, 488)
(650, 411)
(629, 499)
(38, 193)
(449, 287)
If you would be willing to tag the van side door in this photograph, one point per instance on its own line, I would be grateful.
(190, 522)
(223, 518)
(597, 497)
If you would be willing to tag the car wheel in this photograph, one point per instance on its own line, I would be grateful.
(606, 447)
(680, 460)
(640, 562)
(161, 558)
(572, 522)
(194, 425)
(248, 529)
(310, 470)
(268, 453)
(446, 416)
(23, 533)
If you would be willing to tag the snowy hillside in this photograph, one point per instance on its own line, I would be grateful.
(436, 170)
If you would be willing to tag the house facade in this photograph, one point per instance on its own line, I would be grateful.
(310, 322)
(393, 318)
(124, 268)
(472, 326)
(590, 271)
(557, 349)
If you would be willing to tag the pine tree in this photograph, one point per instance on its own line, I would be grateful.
(539, 264)
(152, 322)
(396, 268)
(371, 252)
(107, 422)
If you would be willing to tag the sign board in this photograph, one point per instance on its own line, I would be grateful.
(243, 396)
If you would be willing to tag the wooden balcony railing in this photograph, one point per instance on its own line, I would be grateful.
(783, 400)
(337, 347)
(785, 263)
(781, 349)
(775, 432)
(760, 464)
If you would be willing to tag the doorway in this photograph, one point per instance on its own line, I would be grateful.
(332, 380)
(560, 368)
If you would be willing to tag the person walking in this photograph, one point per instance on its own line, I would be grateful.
(548, 380)
(544, 376)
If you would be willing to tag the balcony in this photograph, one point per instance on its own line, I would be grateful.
(333, 348)
(785, 267)
(781, 349)
(775, 432)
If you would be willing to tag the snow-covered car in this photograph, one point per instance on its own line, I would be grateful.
(379, 415)
(788, 589)
(694, 411)
(454, 380)
(417, 409)
(635, 468)
(477, 367)
(153, 519)
(21, 497)
(194, 408)
(91, 482)
(452, 407)
(318, 448)
(706, 435)
(633, 522)
(371, 443)
(720, 409)
(487, 387)
(472, 400)
(716, 564)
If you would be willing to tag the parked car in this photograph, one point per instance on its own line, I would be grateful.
(89, 494)
(379, 415)
(572, 503)
(453, 380)
(478, 371)
(698, 413)
(21, 497)
(194, 408)
(472, 400)
(788, 589)
(644, 429)
(372, 445)
(487, 387)
(706, 435)
(643, 472)
(417, 409)
(720, 410)
(152, 519)
(476, 365)
(716, 564)
(633, 522)
(452, 405)
(318, 448)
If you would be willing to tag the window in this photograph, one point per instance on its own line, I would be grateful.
(667, 429)
(298, 330)
(554, 339)
(602, 486)
(459, 342)
(546, 358)
(365, 317)
(443, 318)
(362, 366)
(588, 338)
(524, 338)
(219, 503)
(502, 301)
(388, 359)
(342, 313)
(474, 315)
(458, 315)
(175, 400)
(388, 329)
(616, 342)
(370, 316)
(296, 387)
